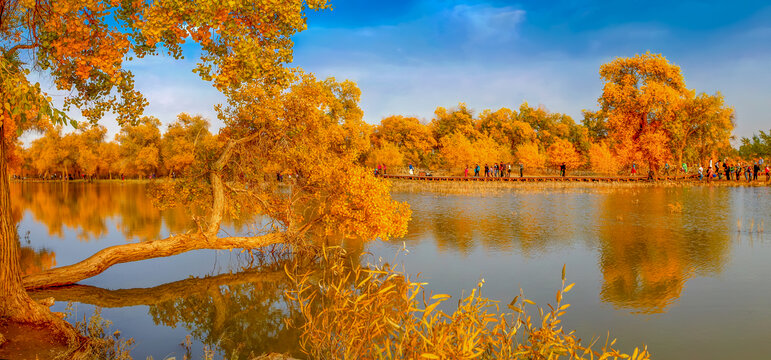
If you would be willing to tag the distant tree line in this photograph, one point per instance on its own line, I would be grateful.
(137, 151)
(646, 117)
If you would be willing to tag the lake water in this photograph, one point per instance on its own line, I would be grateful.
(686, 282)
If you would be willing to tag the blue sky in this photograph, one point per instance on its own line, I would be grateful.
(408, 57)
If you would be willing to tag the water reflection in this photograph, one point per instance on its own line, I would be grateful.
(641, 252)
(649, 241)
(529, 223)
(86, 208)
(36, 260)
(241, 315)
(648, 250)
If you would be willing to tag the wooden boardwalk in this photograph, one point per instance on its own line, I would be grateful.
(540, 178)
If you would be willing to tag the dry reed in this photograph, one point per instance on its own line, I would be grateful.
(354, 312)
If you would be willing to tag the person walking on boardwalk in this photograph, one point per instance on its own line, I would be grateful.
(495, 170)
(476, 170)
(487, 170)
(756, 170)
(666, 169)
(508, 170)
(412, 170)
(634, 169)
(727, 171)
(521, 170)
(379, 170)
(562, 169)
(768, 173)
(465, 172)
(685, 169)
(701, 173)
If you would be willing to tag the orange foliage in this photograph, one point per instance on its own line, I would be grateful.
(178, 145)
(488, 150)
(140, 146)
(602, 160)
(457, 151)
(388, 154)
(460, 119)
(562, 151)
(530, 156)
(640, 96)
(414, 139)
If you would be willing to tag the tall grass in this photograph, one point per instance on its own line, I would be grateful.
(377, 312)
(97, 342)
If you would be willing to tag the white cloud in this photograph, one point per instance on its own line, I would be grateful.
(486, 22)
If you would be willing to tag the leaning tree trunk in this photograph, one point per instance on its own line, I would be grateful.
(15, 305)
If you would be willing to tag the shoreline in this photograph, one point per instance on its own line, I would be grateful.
(399, 185)
(403, 183)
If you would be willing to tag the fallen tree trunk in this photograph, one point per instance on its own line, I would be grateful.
(105, 258)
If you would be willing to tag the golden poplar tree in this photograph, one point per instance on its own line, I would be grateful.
(640, 96)
(83, 44)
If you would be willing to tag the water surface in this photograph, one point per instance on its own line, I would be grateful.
(665, 267)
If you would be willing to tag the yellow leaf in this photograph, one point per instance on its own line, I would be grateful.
(440, 297)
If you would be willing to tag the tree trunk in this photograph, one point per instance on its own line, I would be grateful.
(15, 304)
(105, 258)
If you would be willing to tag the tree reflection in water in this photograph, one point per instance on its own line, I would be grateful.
(87, 208)
(648, 252)
(33, 260)
(241, 314)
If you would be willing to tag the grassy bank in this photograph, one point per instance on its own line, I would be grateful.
(494, 187)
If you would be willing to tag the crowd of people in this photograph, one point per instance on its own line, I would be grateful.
(495, 170)
(717, 170)
(720, 170)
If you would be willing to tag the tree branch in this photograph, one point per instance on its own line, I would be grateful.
(18, 47)
(218, 192)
